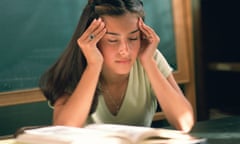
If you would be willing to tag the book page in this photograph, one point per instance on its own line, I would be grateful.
(148, 135)
(103, 134)
(134, 133)
(67, 135)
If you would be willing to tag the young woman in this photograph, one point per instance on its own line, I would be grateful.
(112, 72)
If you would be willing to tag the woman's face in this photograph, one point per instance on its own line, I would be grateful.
(121, 43)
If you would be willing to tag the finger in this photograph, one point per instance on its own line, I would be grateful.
(146, 30)
(92, 27)
(101, 34)
(100, 27)
(141, 26)
(98, 33)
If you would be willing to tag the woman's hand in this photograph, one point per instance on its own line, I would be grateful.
(89, 39)
(149, 42)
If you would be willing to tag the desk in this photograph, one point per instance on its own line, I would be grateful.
(218, 131)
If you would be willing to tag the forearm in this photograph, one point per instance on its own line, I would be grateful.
(175, 106)
(75, 111)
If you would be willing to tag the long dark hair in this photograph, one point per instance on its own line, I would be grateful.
(63, 77)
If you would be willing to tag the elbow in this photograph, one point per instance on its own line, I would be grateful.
(68, 120)
(186, 126)
(185, 123)
(68, 123)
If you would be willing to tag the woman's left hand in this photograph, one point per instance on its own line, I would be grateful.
(149, 42)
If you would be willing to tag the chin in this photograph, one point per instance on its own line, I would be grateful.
(123, 71)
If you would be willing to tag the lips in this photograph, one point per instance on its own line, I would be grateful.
(123, 61)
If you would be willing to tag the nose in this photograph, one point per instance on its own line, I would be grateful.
(124, 49)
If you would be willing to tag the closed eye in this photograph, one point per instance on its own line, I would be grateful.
(133, 39)
(112, 41)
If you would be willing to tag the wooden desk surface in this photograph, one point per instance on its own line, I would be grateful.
(219, 131)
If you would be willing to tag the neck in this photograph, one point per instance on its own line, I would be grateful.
(113, 89)
(114, 79)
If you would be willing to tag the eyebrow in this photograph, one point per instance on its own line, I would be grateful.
(112, 33)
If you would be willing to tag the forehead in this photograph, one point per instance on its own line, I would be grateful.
(121, 24)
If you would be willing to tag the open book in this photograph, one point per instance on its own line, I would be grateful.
(106, 134)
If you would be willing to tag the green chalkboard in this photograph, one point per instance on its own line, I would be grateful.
(159, 16)
(34, 33)
(17, 116)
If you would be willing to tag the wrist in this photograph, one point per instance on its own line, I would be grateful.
(95, 66)
(147, 63)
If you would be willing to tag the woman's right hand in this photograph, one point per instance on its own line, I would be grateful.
(89, 39)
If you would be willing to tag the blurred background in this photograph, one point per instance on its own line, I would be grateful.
(217, 57)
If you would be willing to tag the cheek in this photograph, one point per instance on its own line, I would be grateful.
(135, 47)
(105, 49)
(102, 47)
